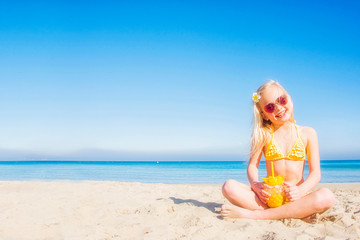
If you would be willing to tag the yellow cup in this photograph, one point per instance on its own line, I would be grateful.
(274, 186)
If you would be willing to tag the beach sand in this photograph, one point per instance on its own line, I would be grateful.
(114, 210)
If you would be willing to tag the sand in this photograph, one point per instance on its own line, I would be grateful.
(114, 210)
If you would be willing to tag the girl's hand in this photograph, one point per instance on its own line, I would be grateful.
(258, 188)
(294, 193)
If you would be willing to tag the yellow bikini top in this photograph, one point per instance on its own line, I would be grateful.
(297, 152)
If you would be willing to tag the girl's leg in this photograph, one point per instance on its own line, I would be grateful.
(241, 195)
(316, 202)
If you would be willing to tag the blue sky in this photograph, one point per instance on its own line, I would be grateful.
(173, 80)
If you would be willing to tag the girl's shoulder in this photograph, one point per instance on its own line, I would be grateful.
(307, 133)
(306, 130)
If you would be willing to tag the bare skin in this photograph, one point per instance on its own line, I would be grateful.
(250, 201)
(245, 207)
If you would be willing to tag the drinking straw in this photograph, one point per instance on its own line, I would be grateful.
(272, 168)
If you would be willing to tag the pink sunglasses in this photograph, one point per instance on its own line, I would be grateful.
(270, 108)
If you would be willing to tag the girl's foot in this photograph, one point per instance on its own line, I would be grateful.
(230, 211)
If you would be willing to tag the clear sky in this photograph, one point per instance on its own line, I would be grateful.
(135, 79)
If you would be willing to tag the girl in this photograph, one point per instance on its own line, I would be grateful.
(275, 134)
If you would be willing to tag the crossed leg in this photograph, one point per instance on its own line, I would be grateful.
(248, 205)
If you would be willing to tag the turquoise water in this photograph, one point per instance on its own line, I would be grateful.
(214, 172)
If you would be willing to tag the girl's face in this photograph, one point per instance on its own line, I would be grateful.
(276, 105)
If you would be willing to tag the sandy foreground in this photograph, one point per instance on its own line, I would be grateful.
(114, 210)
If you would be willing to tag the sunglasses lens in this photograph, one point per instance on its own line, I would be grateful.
(283, 100)
(270, 108)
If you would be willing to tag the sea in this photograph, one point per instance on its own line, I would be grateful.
(167, 172)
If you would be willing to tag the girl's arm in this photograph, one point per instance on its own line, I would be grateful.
(253, 168)
(312, 149)
(253, 176)
(313, 179)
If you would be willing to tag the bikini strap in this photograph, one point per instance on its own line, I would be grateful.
(272, 132)
(297, 130)
(272, 129)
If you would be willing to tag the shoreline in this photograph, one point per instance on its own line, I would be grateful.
(119, 210)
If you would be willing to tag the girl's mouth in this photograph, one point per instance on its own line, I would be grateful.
(281, 114)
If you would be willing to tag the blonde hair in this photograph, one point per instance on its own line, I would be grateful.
(261, 126)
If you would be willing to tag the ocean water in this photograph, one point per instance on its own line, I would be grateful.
(196, 172)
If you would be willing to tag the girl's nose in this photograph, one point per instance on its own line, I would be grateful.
(278, 108)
